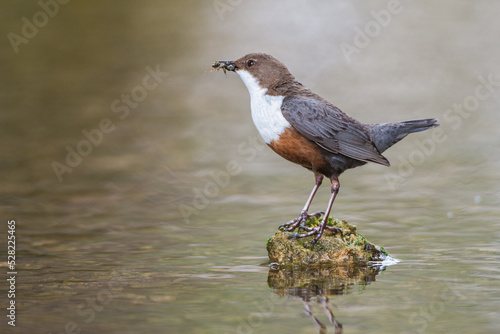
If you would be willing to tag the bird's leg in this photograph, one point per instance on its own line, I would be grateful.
(322, 225)
(308, 312)
(318, 231)
(302, 219)
(326, 306)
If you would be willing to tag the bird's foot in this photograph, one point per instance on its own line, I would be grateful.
(300, 221)
(318, 231)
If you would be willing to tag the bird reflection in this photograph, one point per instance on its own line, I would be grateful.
(325, 302)
(315, 286)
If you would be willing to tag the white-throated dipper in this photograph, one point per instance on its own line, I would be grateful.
(306, 129)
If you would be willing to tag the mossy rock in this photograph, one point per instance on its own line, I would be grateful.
(346, 247)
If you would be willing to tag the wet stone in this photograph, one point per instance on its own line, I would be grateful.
(346, 247)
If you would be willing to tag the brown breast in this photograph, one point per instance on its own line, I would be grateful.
(296, 148)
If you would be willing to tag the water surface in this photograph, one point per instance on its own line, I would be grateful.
(160, 225)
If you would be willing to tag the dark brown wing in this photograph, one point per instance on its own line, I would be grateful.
(326, 125)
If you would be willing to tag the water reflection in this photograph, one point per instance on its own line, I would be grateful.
(316, 286)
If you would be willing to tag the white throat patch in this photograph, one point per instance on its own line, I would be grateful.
(266, 109)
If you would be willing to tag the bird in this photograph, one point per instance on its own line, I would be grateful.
(306, 129)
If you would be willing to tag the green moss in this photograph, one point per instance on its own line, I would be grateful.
(360, 241)
(268, 240)
(382, 249)
(343, 247)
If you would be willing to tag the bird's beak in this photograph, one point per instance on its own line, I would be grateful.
(225, 65)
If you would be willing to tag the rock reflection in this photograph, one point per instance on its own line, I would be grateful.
(316, 285)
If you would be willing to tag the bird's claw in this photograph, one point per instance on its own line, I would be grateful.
(318, 231)
(300, 221)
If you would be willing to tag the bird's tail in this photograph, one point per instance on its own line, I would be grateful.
(387, 134)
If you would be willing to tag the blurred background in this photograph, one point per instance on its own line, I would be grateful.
(143, 196)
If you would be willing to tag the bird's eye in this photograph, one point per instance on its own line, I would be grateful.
(250, 62)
